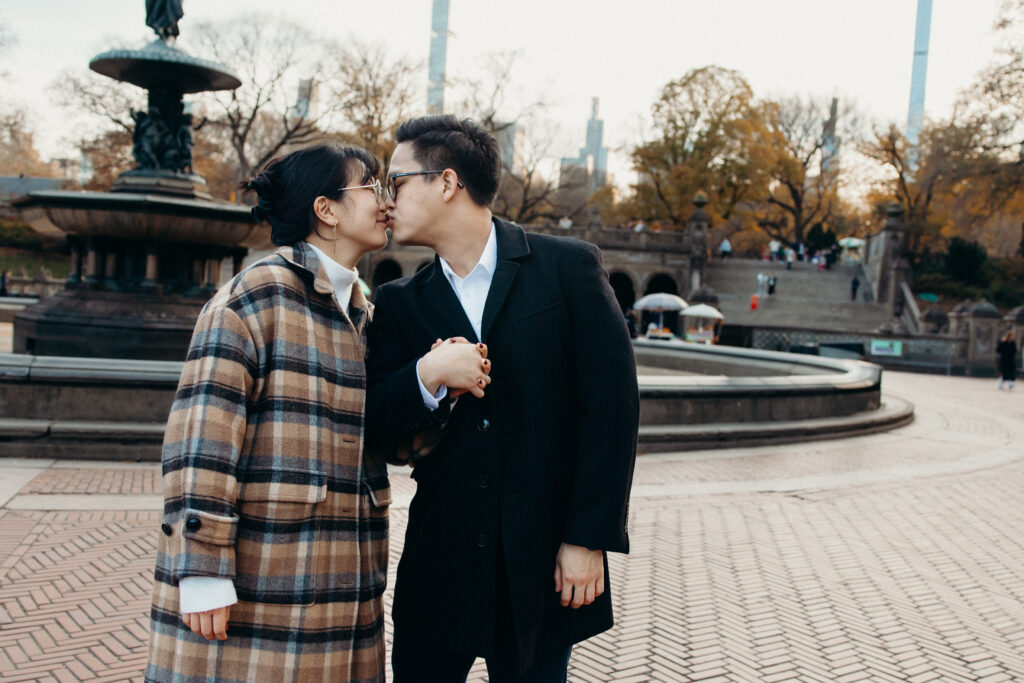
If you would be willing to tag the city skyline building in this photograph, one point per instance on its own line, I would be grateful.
(591, 166)
(438, 57)
(918, 78)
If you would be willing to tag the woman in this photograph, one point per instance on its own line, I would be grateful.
(273, 555)
(1007, 352)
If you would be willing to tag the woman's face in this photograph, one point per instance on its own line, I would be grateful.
(362, 220)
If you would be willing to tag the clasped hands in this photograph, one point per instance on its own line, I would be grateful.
(458, 364)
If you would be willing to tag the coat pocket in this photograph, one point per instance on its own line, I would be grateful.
(279, 536)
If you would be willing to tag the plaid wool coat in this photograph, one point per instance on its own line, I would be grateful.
(266, 483)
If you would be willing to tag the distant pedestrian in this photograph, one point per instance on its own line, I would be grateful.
(772, 280)
(1007, 352)
(3, 282)
(725, 248)
(774, 247)
(854, 286)
(790, 257)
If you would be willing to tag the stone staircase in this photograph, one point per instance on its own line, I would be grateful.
(805, 298)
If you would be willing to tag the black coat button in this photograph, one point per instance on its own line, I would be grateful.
(166, 528)
(481, 541)
(193, 524)
(485, 481)
(484, 425)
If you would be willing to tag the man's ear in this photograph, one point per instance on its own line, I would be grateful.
(322, 210)
(449, 184)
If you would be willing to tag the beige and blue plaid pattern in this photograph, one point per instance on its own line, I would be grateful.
(264, 447)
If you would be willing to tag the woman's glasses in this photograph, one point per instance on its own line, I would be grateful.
(378, 189)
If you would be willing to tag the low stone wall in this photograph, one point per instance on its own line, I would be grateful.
(112, 409)
(746, 385)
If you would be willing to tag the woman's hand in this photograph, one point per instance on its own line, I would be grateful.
(459, 365)
(210, 624)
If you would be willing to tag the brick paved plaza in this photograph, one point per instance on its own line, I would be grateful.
(894, 557)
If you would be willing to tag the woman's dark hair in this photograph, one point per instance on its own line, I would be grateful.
(288, 185)
(466, 147)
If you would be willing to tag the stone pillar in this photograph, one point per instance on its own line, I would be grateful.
(92, 263)
(211, 276)
(110, 271)
(149, 282)
(75, 276)
(696, 237)
(982, 320)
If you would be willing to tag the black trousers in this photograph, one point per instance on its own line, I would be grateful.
(413, 660)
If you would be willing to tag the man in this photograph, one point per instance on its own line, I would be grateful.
(524, 490)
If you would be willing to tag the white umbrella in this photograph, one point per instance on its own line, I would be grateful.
(702, 311)
(660, 302)
(851, 242)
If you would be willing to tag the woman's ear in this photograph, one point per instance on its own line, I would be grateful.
(322, 210)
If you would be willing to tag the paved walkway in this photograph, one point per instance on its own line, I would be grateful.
(893, 557)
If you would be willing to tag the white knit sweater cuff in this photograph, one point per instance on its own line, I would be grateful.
(203, 593)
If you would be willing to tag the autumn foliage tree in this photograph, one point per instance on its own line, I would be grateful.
(703, 129)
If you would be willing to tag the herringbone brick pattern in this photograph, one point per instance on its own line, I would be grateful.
(127, 481)
(917, 575)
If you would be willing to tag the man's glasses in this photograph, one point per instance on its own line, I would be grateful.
(393, 188)
(378, 189)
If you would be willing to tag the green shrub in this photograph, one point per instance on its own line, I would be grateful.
(19, 235)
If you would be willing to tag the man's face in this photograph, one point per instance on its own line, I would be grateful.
(417, 199)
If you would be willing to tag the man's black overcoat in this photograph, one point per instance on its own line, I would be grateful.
(546, 457)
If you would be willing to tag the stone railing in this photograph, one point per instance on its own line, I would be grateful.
(617, 238)
(41, 285)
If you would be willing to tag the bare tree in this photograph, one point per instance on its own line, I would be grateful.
(374, 94)
(260, 118)
(526, 136)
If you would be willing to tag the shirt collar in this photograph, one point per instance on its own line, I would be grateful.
(340, 276)
(488, 258)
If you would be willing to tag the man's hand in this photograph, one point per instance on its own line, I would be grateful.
(457, 364)
(579, 575)
(210, 624)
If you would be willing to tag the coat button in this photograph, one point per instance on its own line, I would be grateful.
(484, 425)
(193, 524)
(485, 481)
(166, 528)
(481, 541)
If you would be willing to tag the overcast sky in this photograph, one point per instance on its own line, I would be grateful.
(571, 50)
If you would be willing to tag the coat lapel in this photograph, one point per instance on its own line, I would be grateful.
(441, 297)
(512, 245)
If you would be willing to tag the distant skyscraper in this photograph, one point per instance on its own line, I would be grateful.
(438, 57)
(830, 144)
(307, 102)
(593, 157)
(915, 114)
(510, 144)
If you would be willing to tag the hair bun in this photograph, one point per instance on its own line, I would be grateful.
(264, 207)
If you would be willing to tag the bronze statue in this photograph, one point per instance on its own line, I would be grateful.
(162, 16)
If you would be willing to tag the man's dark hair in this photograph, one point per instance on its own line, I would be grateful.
(466, 147)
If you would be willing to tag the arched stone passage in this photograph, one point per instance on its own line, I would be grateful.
(622, 285)
(662, 283)
(386, 271)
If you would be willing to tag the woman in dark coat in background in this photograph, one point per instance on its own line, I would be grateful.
(1007, 352)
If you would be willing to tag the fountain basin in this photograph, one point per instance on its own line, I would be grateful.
(115, 409)
(151, 218)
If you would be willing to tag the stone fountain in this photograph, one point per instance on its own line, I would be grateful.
(146, 255)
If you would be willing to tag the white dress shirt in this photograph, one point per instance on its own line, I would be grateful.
(203, 593)
(472, 294)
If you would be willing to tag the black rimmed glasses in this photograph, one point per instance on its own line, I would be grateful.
(393, 188)
(378, 189)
